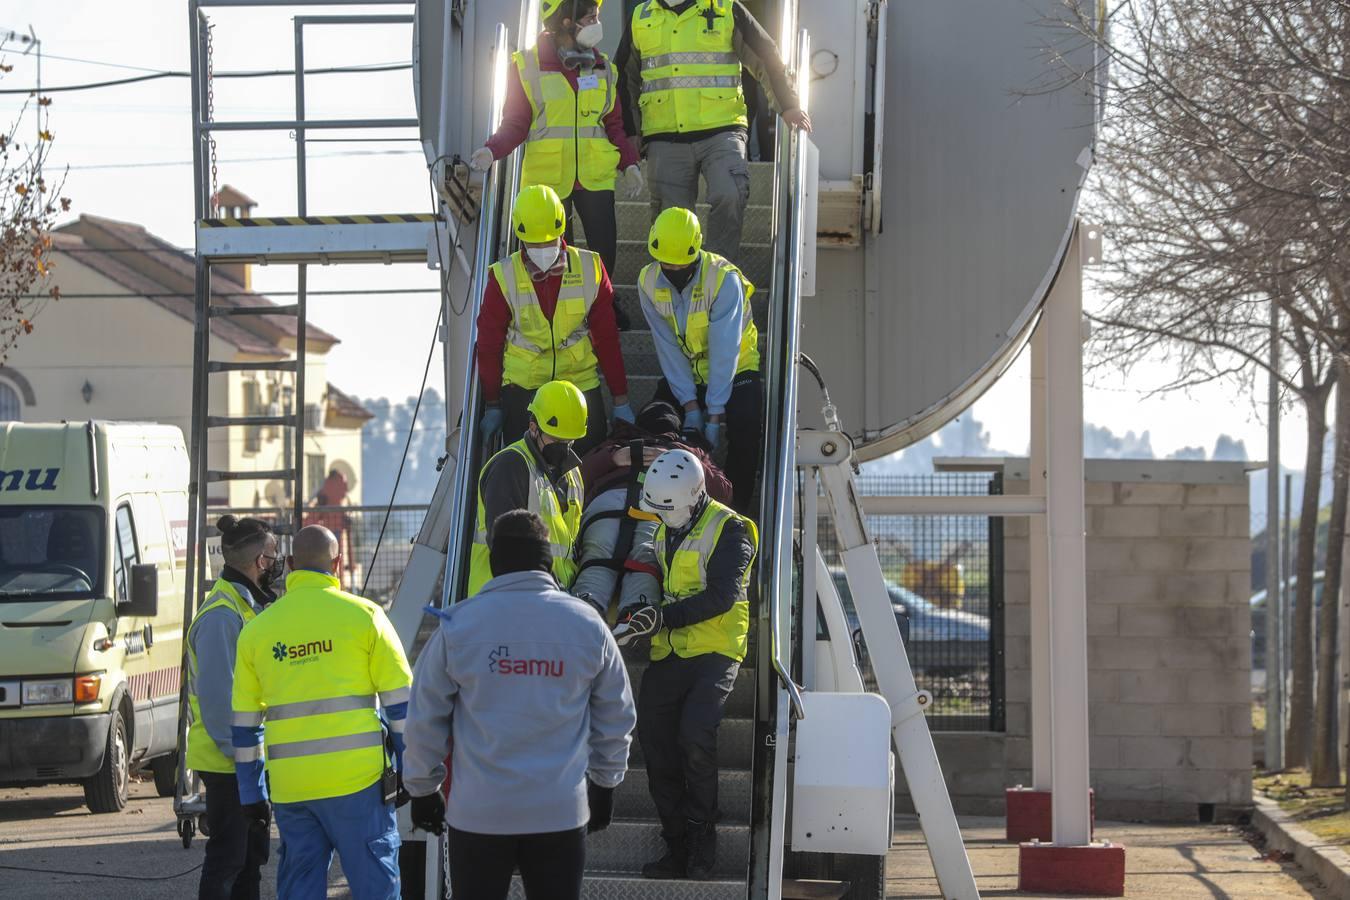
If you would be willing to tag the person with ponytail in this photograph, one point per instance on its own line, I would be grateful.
(237, 844)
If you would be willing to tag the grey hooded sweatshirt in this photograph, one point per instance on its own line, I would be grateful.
(531, 686)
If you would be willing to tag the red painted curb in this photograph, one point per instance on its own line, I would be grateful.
(1029, 814)
(1097, 870)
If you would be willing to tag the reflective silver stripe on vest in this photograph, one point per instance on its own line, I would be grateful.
(319, 707)
(539, 128)
(564, 133)
(397, 695)
(703, 545)
(247, 719)
(337, 744)
(675, 82)
(691, 58)
(248, 754)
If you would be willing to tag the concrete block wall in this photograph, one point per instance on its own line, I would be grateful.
(1169, 648)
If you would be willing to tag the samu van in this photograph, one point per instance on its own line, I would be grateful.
(93, 545)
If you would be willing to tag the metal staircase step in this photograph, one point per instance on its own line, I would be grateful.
(258, 475)
(634, 220)
(283, 365)
(629, 887)
(625, 846)
(633, 799)
(240, 421)
(741, 703)
(280, 309)
(735, 749)
(761, 187)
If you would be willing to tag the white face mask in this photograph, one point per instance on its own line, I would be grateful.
(543, 257)
(590, 35)
(676, 518)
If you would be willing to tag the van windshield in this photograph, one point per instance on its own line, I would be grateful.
(53, 552)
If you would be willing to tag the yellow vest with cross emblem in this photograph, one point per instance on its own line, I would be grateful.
(203, 755)
(561, 515)
(686, 574)
(540, 350)
(567, 142)
(694, 338)
(691, 75)
(311, 669)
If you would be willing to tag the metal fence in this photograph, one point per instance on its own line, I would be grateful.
(945, 578)
(373, 575)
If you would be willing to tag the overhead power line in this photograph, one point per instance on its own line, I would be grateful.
(157, 75)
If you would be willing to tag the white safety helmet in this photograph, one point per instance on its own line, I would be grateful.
(674, 487)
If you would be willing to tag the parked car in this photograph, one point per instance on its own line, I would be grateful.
(1258, 606)
(938, 641)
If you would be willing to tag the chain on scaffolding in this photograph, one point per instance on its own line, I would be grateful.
(214, 202)
(444, 841)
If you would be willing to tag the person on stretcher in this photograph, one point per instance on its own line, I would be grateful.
(612, 527)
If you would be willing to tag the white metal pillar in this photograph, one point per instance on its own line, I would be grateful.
(1042, 756)
(1066, 526)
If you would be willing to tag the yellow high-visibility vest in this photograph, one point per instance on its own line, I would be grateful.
(567, 142)
(561, 518)
(686, 574)
(694, 338)
(539, 350)
(312, 669)
(691, 75)
(202, 753)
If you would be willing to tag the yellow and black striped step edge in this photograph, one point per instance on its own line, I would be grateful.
(274, 222)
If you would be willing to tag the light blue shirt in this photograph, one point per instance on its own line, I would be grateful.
(726, 323)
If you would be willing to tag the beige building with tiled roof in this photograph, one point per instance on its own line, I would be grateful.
(118, 345)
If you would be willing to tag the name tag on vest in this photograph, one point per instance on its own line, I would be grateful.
(588, 82)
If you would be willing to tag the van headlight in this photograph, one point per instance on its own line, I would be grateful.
(55, 691)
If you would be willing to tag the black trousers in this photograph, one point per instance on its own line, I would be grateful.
(596, 210)
(743, 426)
(235, 850)
(515, 404)
(550, 864)
(679, 711)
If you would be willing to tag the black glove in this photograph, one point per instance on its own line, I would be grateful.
(635, 622)
(601, 801)
(259, 813)
(401, 796)
(428, 813)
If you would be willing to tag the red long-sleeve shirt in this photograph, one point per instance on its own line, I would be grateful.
(494, 318)
(517, 115)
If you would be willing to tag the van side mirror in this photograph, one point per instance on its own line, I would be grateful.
(144, 600)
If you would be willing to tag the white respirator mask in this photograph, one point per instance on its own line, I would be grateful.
(543, 257)
(589, 36)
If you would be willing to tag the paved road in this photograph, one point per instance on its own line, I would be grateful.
(1176, 862)
(52, 848)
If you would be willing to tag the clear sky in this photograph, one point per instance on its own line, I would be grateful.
(129, 153)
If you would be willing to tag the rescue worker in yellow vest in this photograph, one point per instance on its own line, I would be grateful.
(562, 103)
(322, 683)
(698, 307)
(704, 551)
(680, 78)
(547, 314)
(539, 473)
(236, 846)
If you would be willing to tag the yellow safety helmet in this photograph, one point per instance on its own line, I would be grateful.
(538, 216)
(549, 7)
(560, 409)
(676, 237)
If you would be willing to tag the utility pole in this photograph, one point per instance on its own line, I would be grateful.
(1274, 583)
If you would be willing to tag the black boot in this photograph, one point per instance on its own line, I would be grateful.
(672, 864)
(702, 840)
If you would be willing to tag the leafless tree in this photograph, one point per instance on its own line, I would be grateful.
(29, 204)
(1223, 181)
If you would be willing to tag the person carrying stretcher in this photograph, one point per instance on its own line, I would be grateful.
(612, 526)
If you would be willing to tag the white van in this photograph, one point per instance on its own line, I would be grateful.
(93, 548)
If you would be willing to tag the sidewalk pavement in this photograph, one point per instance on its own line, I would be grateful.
(1178, 862)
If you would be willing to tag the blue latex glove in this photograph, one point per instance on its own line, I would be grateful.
(693, 420)
(624, 413)
(491, 424)
(712, 431)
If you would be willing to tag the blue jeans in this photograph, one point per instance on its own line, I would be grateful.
(361, 827)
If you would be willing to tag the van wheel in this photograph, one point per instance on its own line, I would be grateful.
(106, 790)
(165, 770)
